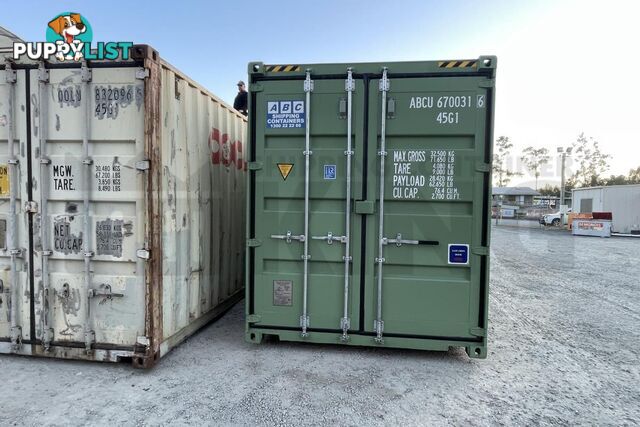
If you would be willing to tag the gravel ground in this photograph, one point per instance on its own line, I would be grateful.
(564, 349)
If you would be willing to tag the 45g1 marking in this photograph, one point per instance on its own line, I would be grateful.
(447, 117)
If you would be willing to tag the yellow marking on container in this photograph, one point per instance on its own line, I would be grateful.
(4, 181)
(282, 68)
(285, 170)
(467, 63)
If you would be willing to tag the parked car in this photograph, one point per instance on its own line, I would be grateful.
(554, 219)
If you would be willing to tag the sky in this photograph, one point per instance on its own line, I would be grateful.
(564, 67)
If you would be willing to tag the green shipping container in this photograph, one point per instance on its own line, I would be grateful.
(369, 203)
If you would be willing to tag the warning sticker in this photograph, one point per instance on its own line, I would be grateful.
(458, 254)
(4, 181)
(285, 169)
(282, 292)
(285, 114)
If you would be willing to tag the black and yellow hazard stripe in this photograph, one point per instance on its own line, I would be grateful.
(282, 68)
(470, 63)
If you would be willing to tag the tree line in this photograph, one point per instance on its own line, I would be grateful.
(591, 164)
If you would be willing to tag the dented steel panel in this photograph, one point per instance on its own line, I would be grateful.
(136, 222)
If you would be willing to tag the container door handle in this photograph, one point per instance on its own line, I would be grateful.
(399, 241)
(289, 237)
(330, 238)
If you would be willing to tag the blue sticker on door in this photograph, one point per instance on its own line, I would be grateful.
(458, 254)
(329, 171)
(285, 114)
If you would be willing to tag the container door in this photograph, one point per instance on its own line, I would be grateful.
(89, 187)
(427, 244)
(15, 302)
(306, 277)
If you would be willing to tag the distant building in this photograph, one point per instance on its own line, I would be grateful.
(515, 196)
(623, 201)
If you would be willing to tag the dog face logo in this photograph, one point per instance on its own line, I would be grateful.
(68, 26)
(70, 29)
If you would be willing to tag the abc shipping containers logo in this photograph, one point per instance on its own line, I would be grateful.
(69, 37)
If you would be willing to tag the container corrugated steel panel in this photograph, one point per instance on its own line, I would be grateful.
(369, 203)
(128, 230)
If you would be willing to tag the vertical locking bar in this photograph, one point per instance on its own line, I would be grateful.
(384, 88)
(89, 334)
(304, 319)
(16, 330)
(43, 81)
(345, 322)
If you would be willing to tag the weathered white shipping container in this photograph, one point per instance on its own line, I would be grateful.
(623, 201)
(121, 208)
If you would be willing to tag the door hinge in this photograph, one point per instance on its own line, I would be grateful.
(478, 332)
(253, 243)
(16, 337)
(43, 73)
(31, 206)
(254, 166)
(254, 318)
(483, 167)
(143, 165)
(142, 73)
(143, 253)
(480, 250)
(143, 341)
